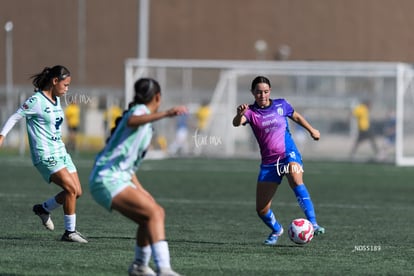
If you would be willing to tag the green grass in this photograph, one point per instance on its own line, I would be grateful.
(211, 224)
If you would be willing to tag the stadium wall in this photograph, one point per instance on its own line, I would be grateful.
(50, 31)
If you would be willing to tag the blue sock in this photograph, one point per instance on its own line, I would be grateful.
(305, 202)
(270, 220)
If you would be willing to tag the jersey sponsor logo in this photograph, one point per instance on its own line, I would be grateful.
(269, 122)
(47, 110)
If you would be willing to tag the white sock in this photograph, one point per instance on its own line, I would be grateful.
(143, 254)
(161, 254)
(70, 222)
(50, 204)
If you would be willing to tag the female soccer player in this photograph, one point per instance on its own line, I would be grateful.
(267, 118)
(44, 117)
(114, 185)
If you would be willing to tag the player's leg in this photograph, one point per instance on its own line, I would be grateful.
(267, 184)
(70, 184)
(143, 249)
(295, 179)
(356, 144)
(264, 194)
(137, 206)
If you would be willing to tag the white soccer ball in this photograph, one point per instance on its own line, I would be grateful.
(300, 231)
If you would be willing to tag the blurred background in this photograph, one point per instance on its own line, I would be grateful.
(325, 57)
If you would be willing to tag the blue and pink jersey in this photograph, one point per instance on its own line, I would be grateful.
(270, 126)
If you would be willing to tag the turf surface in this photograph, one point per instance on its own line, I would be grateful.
(212, 227)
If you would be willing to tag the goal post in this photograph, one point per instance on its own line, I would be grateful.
(324, 92)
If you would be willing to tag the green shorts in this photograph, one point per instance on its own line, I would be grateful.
(53, 164)
(104, 189)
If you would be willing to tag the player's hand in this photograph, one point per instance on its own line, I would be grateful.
(241, 109)
(315, 134)
(1, 139)
(177, 110)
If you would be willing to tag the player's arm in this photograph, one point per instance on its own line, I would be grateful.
(13, 119)
(138, 120)
(300, 120)
(240, 119)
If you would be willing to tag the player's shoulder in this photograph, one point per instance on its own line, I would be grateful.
(31, 102)
(140, 109)
(279, 101)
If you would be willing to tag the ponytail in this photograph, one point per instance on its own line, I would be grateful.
(43, 80)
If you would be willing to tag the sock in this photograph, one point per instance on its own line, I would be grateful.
(305, 202)
(50, 204)
(143, 254)
(161, 254)
(270, 220)
(70, 222)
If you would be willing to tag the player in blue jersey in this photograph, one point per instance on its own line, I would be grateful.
(44, 118)
(280, 156)
(114, 184)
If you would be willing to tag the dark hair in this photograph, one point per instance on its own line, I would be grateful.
(259, 79)
(42, 80)
(145, 90)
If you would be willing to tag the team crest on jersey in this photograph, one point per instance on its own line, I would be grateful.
(280, 111)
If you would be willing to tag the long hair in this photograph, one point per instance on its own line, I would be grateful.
(259, 79)
(43, 80)
(145, 90)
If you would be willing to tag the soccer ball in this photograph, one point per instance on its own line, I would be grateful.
(300, 231)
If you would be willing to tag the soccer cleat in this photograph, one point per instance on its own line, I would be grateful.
(318, 230)
(74, 236)
(167, 272)
(273, 237)
(44, 216)
(140, 270)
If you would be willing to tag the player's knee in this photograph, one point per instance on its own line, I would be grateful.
(160, 213)
(71, 190)
(79, 192)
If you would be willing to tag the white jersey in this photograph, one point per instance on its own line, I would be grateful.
(43, 122)
(125, 149)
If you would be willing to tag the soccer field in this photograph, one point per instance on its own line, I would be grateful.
(211, 224)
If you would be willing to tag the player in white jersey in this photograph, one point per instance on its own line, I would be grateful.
(44, 117)
(114, 185)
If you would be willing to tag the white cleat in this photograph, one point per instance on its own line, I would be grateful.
(167, 272)
(140, 270)
(73, 237)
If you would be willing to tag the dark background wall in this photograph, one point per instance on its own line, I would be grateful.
(47, 32)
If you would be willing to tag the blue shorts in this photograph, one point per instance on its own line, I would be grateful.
(53, 164)
(274, 172)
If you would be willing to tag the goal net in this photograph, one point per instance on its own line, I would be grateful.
(324, 92)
